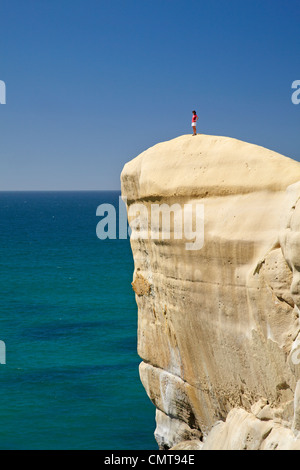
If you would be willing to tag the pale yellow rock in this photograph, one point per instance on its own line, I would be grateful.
(219, 327)
(281, 438)
(188, 445)
(241, 431)
(169, 431)
(257, 407)
(296, 418)
(266, 414)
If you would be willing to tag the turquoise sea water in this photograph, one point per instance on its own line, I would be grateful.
(68, 318)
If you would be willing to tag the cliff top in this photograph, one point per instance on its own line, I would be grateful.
(206, 165)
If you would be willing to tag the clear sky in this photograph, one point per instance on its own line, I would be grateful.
(92, 83)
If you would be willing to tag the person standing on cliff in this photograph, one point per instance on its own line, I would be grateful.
(194, 120)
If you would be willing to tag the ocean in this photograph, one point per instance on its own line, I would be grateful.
(68, 318)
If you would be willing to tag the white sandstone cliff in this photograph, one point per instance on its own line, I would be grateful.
(219, 327)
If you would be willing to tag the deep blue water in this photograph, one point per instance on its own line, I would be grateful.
(68, 318)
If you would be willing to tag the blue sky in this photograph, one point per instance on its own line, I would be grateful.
(92, 83)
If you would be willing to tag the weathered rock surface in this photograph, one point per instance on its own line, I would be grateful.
(219, 326)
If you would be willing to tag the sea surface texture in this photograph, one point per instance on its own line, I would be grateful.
(68, 319)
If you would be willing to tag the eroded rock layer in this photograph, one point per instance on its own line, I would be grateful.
(219, 325)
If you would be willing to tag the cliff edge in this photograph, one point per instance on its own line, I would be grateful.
(218, 321)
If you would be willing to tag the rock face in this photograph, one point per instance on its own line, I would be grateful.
(218, 324)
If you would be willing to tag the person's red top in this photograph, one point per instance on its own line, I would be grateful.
(194, 119)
